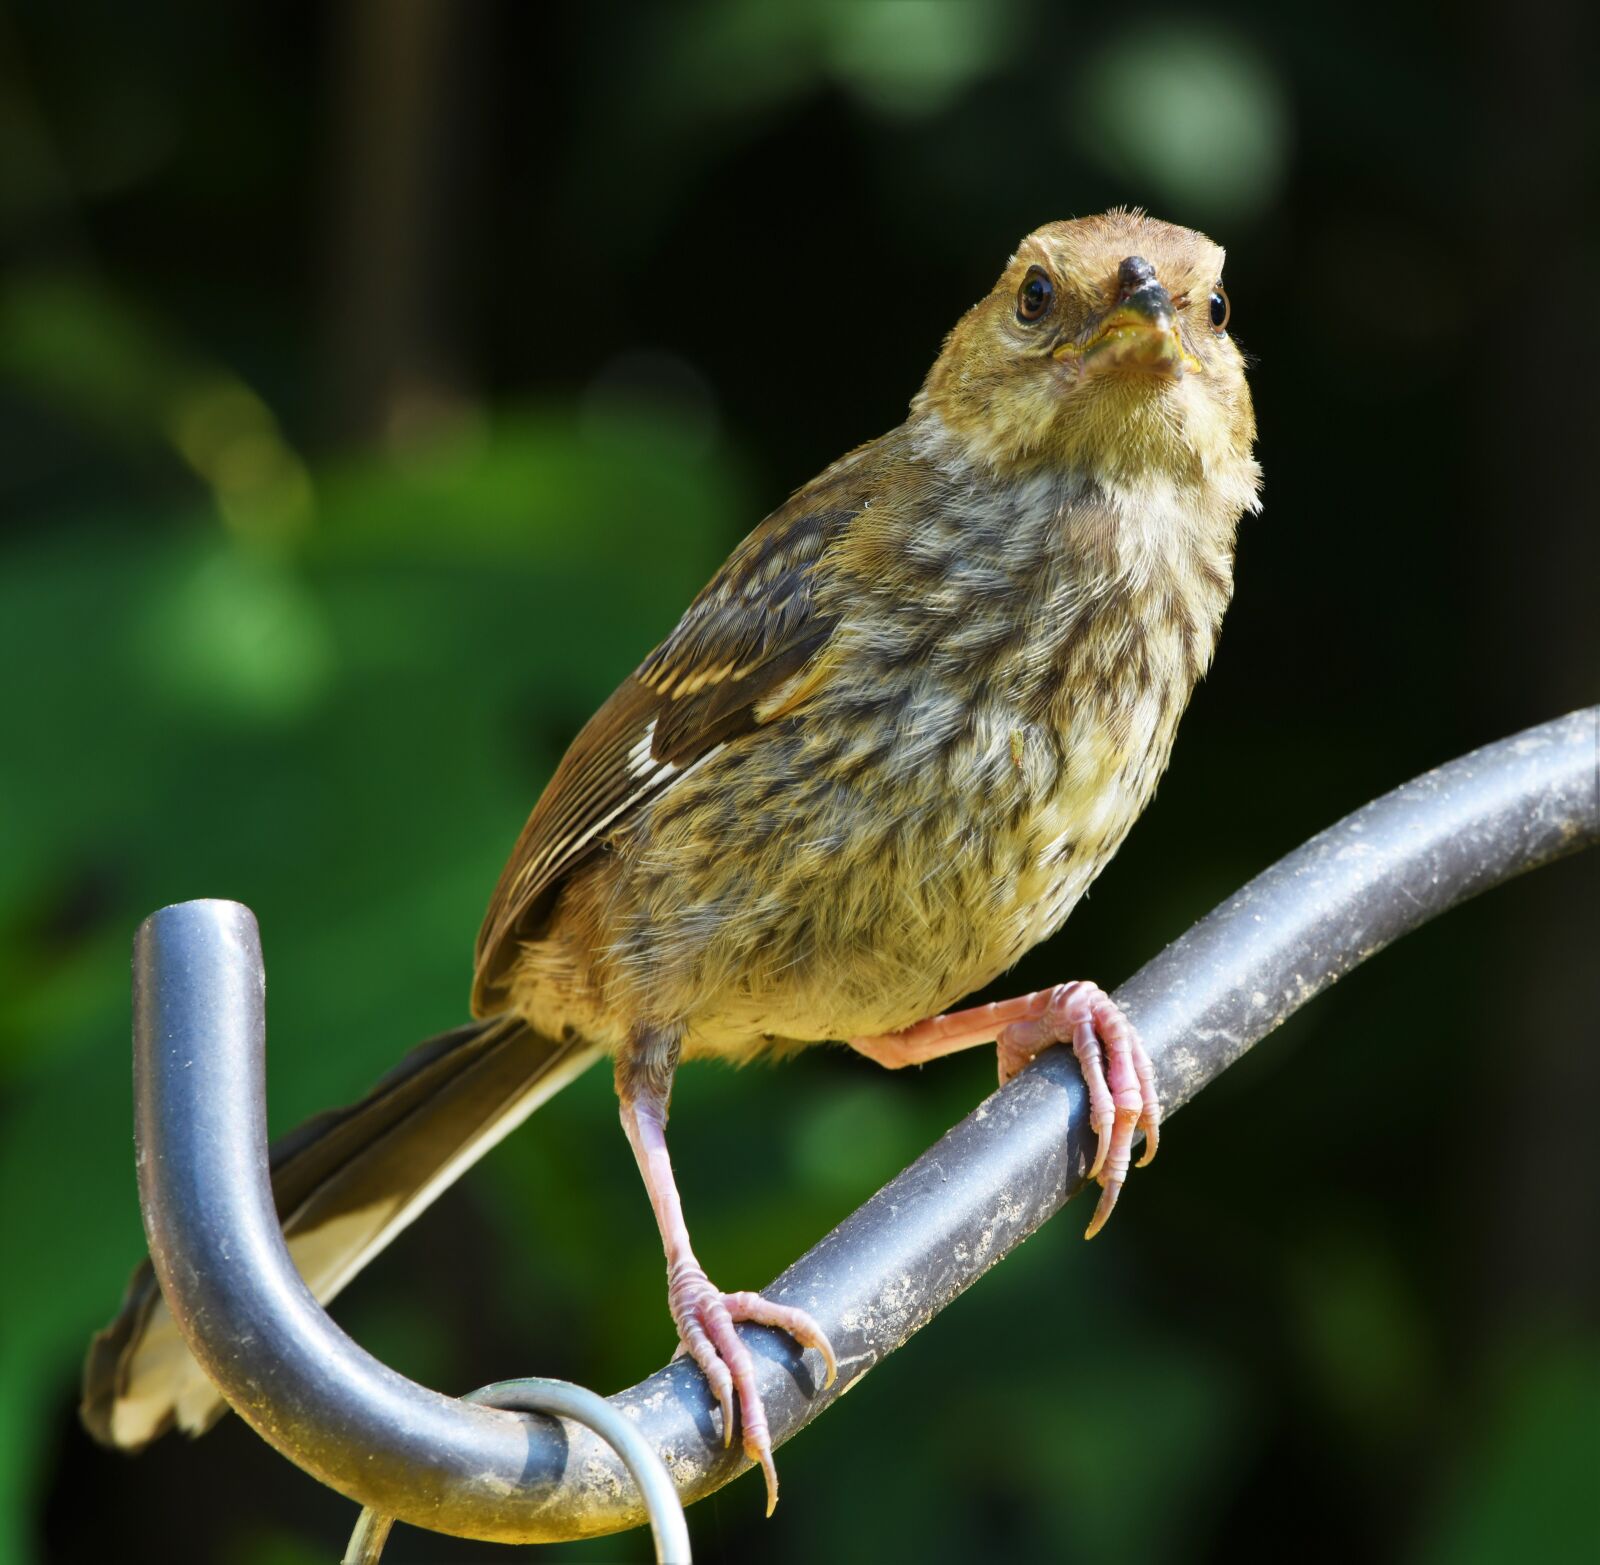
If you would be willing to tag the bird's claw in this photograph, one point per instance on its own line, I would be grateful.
(705, 1318)
(1116, 1070)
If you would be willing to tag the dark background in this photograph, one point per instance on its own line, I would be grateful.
(379, 380)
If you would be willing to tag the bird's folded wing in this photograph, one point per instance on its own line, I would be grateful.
(732, 663)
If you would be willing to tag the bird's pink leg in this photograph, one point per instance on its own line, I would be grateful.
(1116, 1069)
(949, 1034)
(703, 1314)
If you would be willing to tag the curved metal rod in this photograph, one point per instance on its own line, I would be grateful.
(536, 1394)
(883, 1273)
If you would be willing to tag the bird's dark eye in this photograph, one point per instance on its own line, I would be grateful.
(1035, 294)
(1220, 309)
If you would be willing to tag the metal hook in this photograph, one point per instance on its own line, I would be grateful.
(562, 1399)
(355, 1424)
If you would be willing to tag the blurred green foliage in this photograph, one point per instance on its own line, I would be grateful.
(378, 382)
(317, 731)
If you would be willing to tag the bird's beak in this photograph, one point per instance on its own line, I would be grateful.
(1137, 336)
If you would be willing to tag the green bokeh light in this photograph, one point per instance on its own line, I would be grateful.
(1195, 117)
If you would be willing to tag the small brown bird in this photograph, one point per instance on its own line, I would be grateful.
(883, 754)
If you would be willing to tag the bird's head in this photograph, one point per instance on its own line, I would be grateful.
(1104, 349)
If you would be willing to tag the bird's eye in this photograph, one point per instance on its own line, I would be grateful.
(1220, 309)
(1035, 294)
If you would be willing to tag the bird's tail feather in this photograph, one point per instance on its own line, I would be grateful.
(345, 1182)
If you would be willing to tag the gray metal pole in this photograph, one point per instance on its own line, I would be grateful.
(199, 1047)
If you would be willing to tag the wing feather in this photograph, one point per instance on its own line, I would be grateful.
(752, 630)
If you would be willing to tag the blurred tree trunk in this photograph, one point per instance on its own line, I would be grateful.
(402, 99)
(1538, 406)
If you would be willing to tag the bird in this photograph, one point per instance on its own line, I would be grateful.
(882, 754)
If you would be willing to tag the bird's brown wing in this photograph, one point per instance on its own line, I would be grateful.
(749, 633)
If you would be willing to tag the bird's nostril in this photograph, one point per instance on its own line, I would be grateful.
(1133, 274)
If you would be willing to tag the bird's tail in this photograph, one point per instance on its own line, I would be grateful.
(345, 1184)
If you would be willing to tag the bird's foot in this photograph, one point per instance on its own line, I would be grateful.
(705, 1319)
(1116, 1070)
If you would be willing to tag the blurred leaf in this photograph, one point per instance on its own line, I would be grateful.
(1362, 1335)
(71, 340)
(912, 57)
(1191, 112)
(905, 57)
(238, 636)
(844, 1141)
(68, 337)
(278, 1548)
(1526, 1488)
